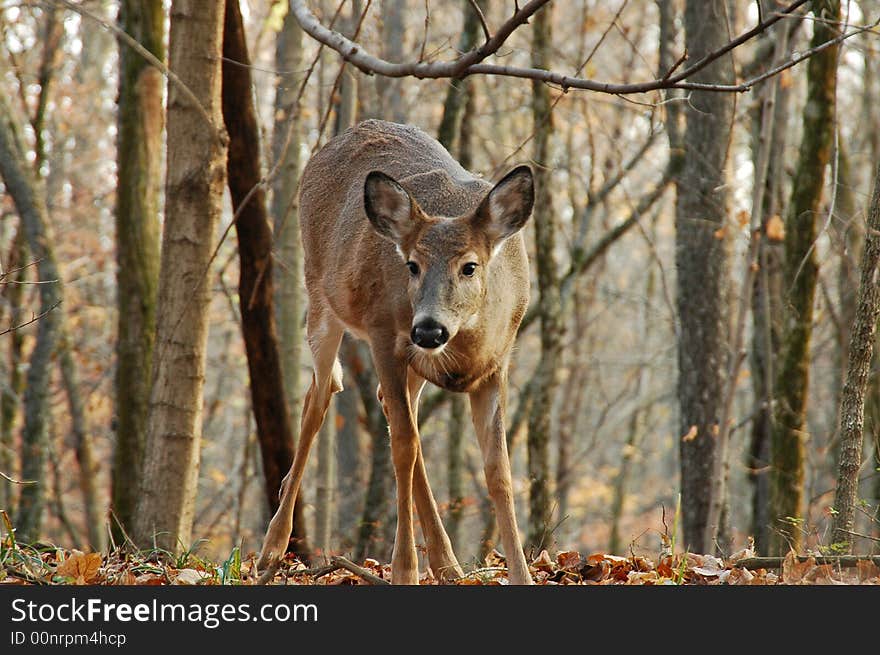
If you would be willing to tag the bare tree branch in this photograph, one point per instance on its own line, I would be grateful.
(33, 319)
(355, 54)
(14, 481)
(471, 63)
(482, 19)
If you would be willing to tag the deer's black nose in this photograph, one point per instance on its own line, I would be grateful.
(428, 333)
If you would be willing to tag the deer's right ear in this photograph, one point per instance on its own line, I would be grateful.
(389, 207)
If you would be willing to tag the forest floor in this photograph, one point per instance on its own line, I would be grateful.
(45, 564)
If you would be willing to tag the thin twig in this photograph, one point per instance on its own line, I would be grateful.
(425, 35)
(14, 481)
(12, 271)
(34, 319)
(777, 562)
(142, 51)
(359, 571)
(482, 19)
(338, 81)
(471, 62)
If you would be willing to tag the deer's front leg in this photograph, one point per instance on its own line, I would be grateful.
(487, 410)
(404, 453)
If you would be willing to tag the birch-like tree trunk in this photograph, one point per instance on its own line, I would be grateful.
(193, 200)
(140, 122)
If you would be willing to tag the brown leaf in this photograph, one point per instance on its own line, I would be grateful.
(82, 567)
(126, 578)
(569, 559)
(740, 577)
(495, 558)
(867, 570)
(823, 574)
(691, 434)
(190, 577)
(150, 580)
(720, 233)
(543, 562)
(596, 571)
(745, 553)
(775, 228)
(793, 570)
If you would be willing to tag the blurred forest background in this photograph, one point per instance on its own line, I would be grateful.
(692, 305)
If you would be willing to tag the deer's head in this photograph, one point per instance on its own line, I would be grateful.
(447, 257)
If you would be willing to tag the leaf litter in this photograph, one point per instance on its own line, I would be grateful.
(48, 565)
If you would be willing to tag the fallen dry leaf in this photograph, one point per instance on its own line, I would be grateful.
(82, 567)
(495, 558)
(867, 570)
(543, 561)
(793, 570)
(569, 559)
(190, 577)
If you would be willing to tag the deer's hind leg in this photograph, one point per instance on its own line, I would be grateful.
(324, 334)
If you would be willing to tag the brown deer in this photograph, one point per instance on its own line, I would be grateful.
(406, 249)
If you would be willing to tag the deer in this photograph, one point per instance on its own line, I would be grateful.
(404, 248)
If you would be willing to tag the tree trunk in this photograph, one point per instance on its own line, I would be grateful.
(193, 201)
(27, 194)
(539, 422)
(849, 241)
(140, 122)
(350, 467)
(800, 271)
(324, 487)
(639, 418)
(393, 39)
(370, 541)
(289, 300)
(459, 90)
(455, 464)
(701, 261)
(10, 394)
(255, 290)
(852, 406)
(82, 443)
(766, 314)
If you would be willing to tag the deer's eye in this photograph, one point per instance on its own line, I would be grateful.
(469, 269)
(413, 268)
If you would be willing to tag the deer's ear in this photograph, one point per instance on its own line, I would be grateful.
(508, 206)
(389, 207)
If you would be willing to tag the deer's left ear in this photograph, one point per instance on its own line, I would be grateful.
(391, 210)
(508, 206)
